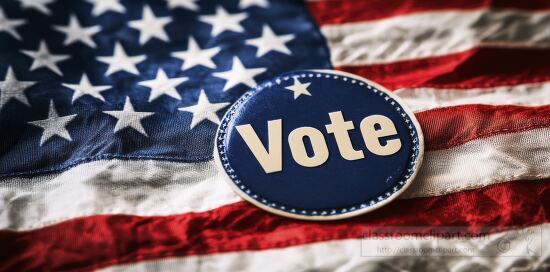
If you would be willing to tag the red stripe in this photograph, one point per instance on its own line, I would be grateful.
(99, 241)
(476, 68)
(345, 11)
(448, 127)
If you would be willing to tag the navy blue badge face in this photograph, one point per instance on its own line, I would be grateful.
(319, 145)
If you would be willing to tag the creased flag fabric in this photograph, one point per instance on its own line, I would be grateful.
(109, 108)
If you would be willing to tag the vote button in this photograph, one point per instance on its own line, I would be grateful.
(319, 145)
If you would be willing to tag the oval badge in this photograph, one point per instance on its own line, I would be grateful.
(319, 145)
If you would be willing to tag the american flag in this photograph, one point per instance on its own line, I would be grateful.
(108, 110)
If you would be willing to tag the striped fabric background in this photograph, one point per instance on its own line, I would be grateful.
(477, 74)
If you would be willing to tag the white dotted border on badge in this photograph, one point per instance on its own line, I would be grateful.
(231, 172)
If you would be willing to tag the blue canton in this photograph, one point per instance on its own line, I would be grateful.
(84, 80)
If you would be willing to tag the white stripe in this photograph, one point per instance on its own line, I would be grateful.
(421, 99)
(150, 188)
(479, 163)
(143, 187)
(434, 34)
(487, 253)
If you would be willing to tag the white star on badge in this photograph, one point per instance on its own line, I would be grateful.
(84, 87)
(186, 4)
(120, 61)
(129, 118)
(269, 41)
(102, 6)
(74, 32)
(43, 58)
(222, 21)
(299, 88)
(8, 25)
(239, 74)
(163, 85)
(39, 5)
(249, 3)
(13, 88)
(194, 55)
(54, 125)
(204, 110)
(150, 26)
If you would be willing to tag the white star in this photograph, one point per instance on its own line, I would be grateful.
(150, 26)
(204, 110)
(222, 21)
(8, 25)
(39, 5)
(248, 3)
(239, 74)
(299, 88)
(128, 117)
(102, 6)
(186, 4)
(163, 85)
(120, 61)
(196, 56)
(74, 32)
(54, 125)
(269, 41)
(43, 58)
(13, 88)
(84, 87)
